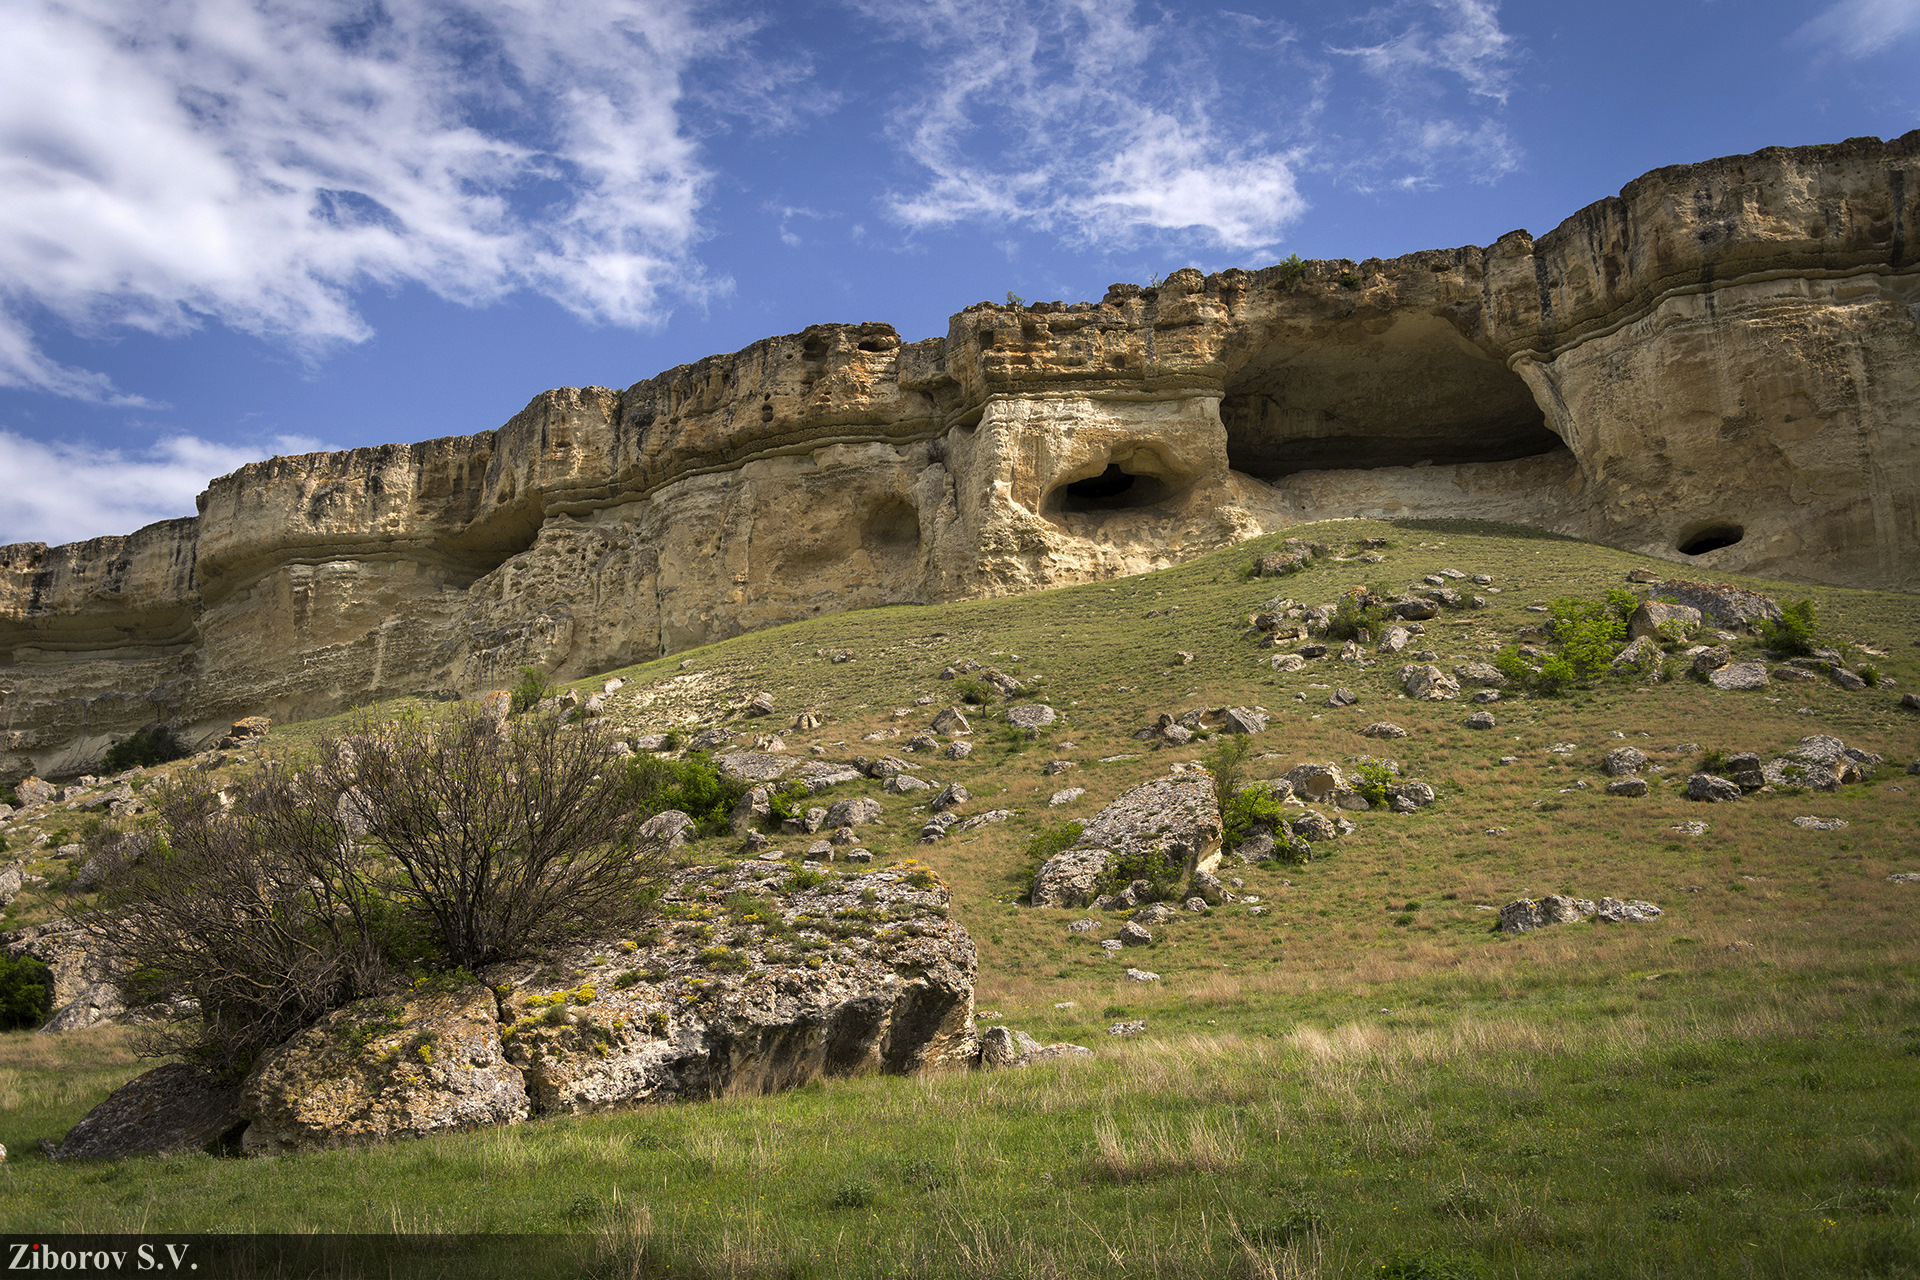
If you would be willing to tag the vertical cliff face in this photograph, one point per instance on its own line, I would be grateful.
(1720, 366)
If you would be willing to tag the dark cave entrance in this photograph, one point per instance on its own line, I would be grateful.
(1710, 538)
(1357, 394)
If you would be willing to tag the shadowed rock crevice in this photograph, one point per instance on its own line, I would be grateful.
(1365, 391)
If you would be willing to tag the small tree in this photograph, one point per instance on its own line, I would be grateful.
(406, 844)
(533, 689)
(1797, 633)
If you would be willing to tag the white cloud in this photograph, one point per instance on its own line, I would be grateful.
(1860, 28)
(1424, 54)
(1078, 118)
(254, 162)
(65, 492)
(1463, 40)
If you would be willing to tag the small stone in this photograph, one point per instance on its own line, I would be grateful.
(1141, 975)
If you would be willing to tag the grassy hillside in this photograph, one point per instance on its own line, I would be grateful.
(1353, 1073)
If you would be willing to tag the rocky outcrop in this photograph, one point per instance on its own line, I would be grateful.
(1715, 367)
(1169, 828)
(819, 975)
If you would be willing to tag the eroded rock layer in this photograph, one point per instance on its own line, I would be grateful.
(1720, 366)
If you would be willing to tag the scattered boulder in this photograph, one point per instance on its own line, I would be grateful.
(1242, 720)
(1288, 662)
(1002, 1047)
(1615, 911)
(1134, 935)
(1710, 658)
(1652, 616)
(1394, 639)
(1031, 718)
(951, 722)
(1480, 673)
(1729, 606)
(752, 767)
(171, 1109)
(855, 811)
(1820, 824)
(1172, 822)
(1633, 787)
(806, 722)
(1140, 975)
(671, 828)
(1739, 676)
(1708, 787)
(754, 809)
(34, 791)
(1642, 655)
(1312, 826)
(1428, 683)
(1409, 797)
(952, 797)
(1910, 702)
(1481, 720)
(818, 775)
(244, 732)
(1318, 783)
(1623, 762)
(1851, 681)
(1066, 795)
(1382, 729)
(1343, 698)
(1416, 610)
(958, 750)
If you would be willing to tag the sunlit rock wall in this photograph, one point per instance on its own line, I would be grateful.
(1720, 366)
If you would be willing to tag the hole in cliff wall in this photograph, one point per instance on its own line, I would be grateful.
(890, 535)
(1709, 537)
(1364, 393)
(493, 539)
(1115, 489)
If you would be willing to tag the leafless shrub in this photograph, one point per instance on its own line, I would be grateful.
(407, 844)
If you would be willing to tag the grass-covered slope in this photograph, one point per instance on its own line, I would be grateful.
(1362, 1074)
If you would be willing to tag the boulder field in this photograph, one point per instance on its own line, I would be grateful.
(1719, 366)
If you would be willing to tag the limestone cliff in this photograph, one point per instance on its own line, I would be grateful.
(1720, 366)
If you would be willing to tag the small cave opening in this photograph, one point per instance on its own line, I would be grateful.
(1712, 537)
(1115, 489)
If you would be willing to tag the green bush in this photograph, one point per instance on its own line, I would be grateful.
(1045, 843)
(1374, 778)
(973, 692)
(26, 993)
(693, 786)
(790, 803)
(1251, 806)
(1797, 633)
(533, 689)
(1292, 268)
(1353, 620)
(153, 745)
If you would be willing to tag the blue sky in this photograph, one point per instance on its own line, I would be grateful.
(234, 228)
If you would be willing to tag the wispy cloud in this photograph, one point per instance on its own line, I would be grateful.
(1861, 28)
(255, 162)
(1443, 71)
(1082, 119)
(64, 492)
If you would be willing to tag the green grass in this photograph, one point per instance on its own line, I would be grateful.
(1362, 1076)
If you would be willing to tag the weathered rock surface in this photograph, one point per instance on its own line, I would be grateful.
(1713, 367)
(894, 995)
(172, 1108)
(1171, 822)
(380, 1069)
